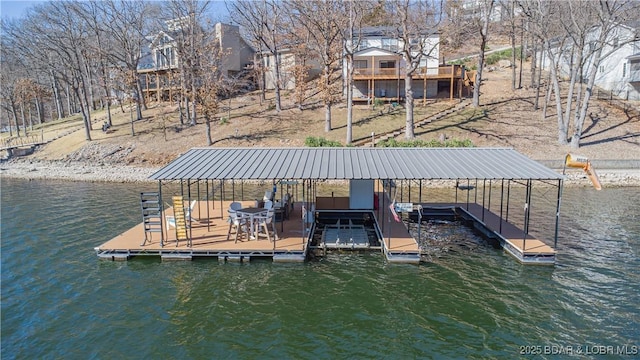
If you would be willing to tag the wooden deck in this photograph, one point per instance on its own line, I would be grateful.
(523, 247)
(399, 245)
(209, 238)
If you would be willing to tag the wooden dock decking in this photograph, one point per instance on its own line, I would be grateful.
(209, 238)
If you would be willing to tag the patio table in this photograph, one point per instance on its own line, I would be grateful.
(251, 213)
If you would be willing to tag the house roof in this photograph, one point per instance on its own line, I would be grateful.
(634, 57)
(388, 32)
(353, 163)
(376, 50)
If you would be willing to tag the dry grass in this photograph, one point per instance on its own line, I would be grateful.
(506, 119)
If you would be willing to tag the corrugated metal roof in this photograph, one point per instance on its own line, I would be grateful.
(353, 163)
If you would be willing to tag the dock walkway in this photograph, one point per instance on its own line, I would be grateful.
(209, 239)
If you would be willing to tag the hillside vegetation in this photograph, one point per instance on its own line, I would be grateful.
(506, 119)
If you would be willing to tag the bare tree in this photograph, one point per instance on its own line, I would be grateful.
(482, 23)
(51, 35)
(416, 24)
(324, 23)
(576, 37)
(263, 22)
(128, 23)
(211, 82)
(187, 21)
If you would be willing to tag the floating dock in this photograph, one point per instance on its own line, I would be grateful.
(377, 178)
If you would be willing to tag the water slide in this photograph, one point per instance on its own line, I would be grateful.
(577, 161)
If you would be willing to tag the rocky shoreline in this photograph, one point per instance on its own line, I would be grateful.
(83, 171)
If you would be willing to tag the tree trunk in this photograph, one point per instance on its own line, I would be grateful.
(562, 128)
(180, 110)
(478, 79)
(139, 98)
(15, 119)
(39, 110)
(133, 131)
(523, 52)
(208, 130)
(574, 66)
(30, 117)
(534, 61)
(327, 98)
(538, 83)
(109, 121)
(70, 108)
(349, 84)
(513, 46)
(92, 101)
(408, 102)
(86, 118)
(276, 64)
(86, 110)
(56, 96)
(579, 123)
(547, 98)
(24, 124)
(484, 33)
(194, 121)
(327, 117)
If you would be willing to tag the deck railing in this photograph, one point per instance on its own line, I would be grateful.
(421, 72)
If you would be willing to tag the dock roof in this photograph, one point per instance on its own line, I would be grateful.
(353, 163)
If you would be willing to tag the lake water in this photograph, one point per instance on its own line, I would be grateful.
(60, 301)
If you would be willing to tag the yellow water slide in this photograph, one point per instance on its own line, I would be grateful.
(577, 161)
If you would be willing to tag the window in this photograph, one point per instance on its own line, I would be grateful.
(624, 70)
(615, 42)
(387, 64)
(601, 68)
(390, 44)
(364, 44)
(360, 64)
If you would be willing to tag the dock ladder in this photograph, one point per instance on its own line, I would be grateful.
(151, 216)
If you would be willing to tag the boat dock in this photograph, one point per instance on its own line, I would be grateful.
(382, 182)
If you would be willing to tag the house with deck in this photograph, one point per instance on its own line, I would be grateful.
(379, 68)
(159, 66)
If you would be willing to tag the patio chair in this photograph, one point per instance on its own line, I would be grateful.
(263, 223)
(268, 205)
(235, 206)
(238, 223)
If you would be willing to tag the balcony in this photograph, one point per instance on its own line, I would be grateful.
(441, 72)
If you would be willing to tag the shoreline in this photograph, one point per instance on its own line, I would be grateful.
(81, 171)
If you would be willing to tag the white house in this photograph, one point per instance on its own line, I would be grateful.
(379, 68)
(619, 67)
